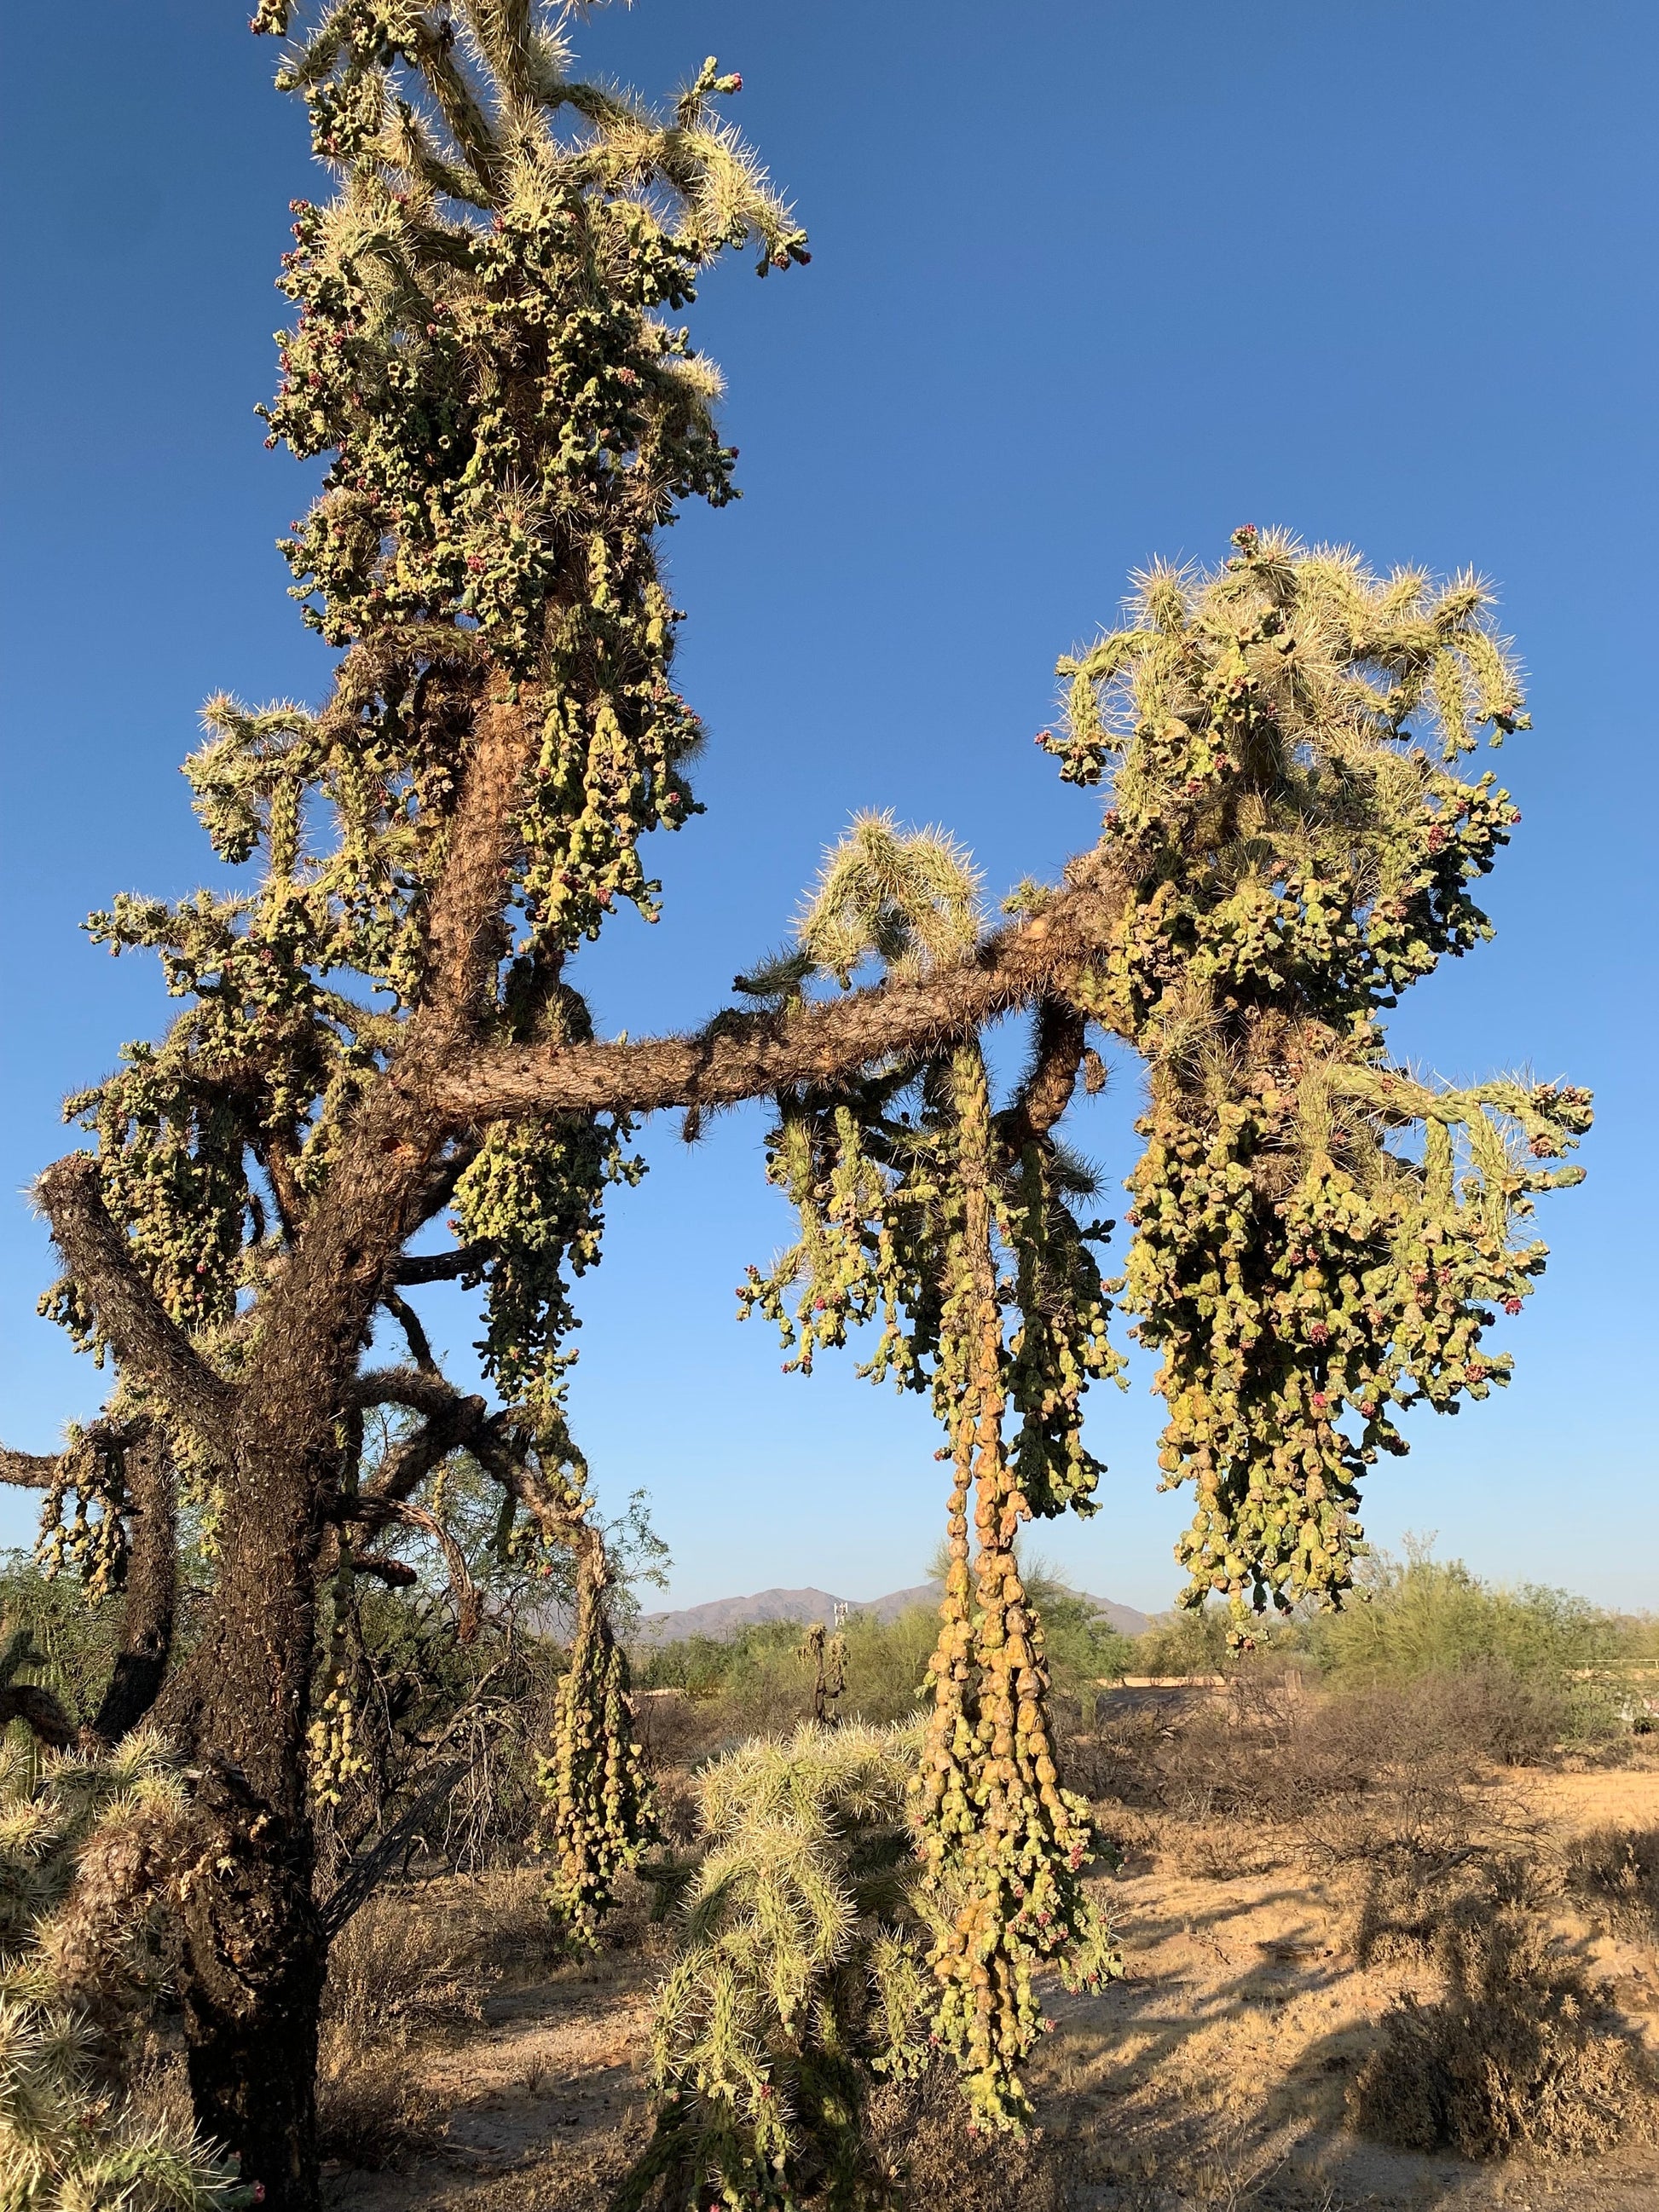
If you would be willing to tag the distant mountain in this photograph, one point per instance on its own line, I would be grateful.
(723, 1617)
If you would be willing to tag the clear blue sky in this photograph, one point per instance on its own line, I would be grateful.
(1090, 281)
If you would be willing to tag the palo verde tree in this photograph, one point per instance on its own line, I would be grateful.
(382, 1035)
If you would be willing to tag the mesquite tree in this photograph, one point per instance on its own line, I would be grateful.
(381, 1036)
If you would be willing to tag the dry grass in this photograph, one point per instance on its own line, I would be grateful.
(922, 2143)
(412, 1965)
(1616, 1872)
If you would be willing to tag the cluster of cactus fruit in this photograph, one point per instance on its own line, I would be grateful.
(925, 1222)
(1295, 857)
(1288, 858)
(601, 1808)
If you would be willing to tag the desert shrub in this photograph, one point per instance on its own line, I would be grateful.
(1184, 1643)
(1616, 1871)
(372, 2110)
(1425, 1616)
(410, 1963)
(797, 1977)
(752, 1683)
(1082, 1648)
(1379, 1773)
(755, 1682)
(886, 1662)
(86, 1846)
(1519, 2055)
(400, 1965)
(1418, 1904)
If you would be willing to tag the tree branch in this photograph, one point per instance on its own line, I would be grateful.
(145, 1338)
(409, 1320)
(422, 1392)
(454, 1424)
(443, 1266)
(30, 1702)
(152, 1589)
(28, 1470)
(747, 1055)
(396, 1574)
(1046, 1091)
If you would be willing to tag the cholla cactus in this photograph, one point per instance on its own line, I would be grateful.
(487, 361)
(1295, 860)
(913, 902)
(799, 1974)
(911, 1217)
(86, 1845)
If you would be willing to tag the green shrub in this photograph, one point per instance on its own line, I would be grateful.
(1424, 1616)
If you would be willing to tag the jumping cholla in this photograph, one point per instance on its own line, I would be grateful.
(86, 1846)
(1281, 858)
(381, 1042)
(799, 1975)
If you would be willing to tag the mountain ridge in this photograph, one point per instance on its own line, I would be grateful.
(722, 1617)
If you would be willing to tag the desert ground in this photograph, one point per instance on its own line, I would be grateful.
(1292, 1901)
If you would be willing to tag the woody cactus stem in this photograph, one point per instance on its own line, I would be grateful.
(1003, 1845)
(603, 1813)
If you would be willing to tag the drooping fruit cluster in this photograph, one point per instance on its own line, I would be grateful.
(1294, 859)
(1004, 1844)
(927, 1220)
(601, 1808)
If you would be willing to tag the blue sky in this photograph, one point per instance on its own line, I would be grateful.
(1091, 282)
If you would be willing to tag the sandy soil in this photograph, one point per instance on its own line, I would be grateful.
(1214, 2075)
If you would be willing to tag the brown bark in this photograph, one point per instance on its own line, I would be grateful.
(255, 1948)
(31, 1702)
(748, 1056)
(143, 1335)
(1046, 1093)
(152, 1588)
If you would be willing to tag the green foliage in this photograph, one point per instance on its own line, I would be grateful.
(1081, 1646)
(1189, 1641)
(1295, 861)
(68, 1828)
(75, 1640)
(754, 1682)
(1423, 1616)
(799, 1974)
